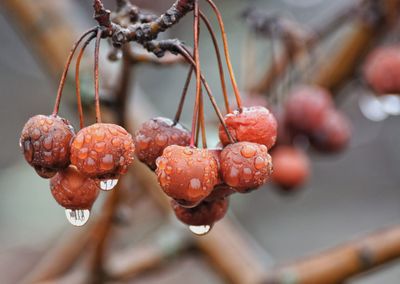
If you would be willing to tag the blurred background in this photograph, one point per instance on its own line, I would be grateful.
(348, 195)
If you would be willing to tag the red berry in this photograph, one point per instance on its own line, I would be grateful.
(45, 142)
(74, 190)
(254, 124)
(305, 107)
(206, 213)
(187, 174)
(245, 165)
(291, 167)
(155, 135)
(382, 69)
(333, 134)
(102, 151)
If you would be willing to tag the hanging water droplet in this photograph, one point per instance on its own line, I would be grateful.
(390, 104)
(77, 217)
(371, 108)
(108, 184)
(200, 230)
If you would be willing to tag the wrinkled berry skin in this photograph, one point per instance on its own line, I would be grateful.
(187, 174)
(334, 133)
(155, 135)
(254, 124)
(291, 167)
(102, 150)
(45, 142)
(305, 107)
(206, 213)
(245, 166)
(382, 69)
(74, 190)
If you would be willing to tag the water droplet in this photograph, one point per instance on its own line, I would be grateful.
(48, 143)
(195, 184)
(247, 174)
(168, 170)
(100, 146)
(99, 135)
(108, 184)
(77, 217)
(107, 162)
(200, 230)
(116, 142)
(36, 134)
(371, 108)
(83, 153)
(390, 104)
(259, 163)
(233, 177)
(248, 151)
(78, 142)
(90, 165)
(88, 139)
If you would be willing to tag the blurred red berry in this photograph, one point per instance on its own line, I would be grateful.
(333, 134)
(382, 70)
(291, 167)
(305, 107)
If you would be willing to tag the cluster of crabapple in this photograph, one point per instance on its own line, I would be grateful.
(78, 165)
(199, 181)
(308, 112)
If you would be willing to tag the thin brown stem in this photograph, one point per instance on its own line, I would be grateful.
(196, 27)
(66, 68)
(202, 123)
(186, 54)
(96, 76)
(77, 81)
(219, 60)
(227, 55)
(183, 96)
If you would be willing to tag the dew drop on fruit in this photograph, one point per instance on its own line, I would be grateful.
(195, 184)
(108, 184)
(77, 217)
(248, 151)
(200, 230)
(259, 163)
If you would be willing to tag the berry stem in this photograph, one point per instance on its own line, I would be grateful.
(219, 60)
(227, 55)
(66, 68)
(96, 75)
(196, 30)
(202, 123)
(186, 54)
(77, 81)
(183, 96)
